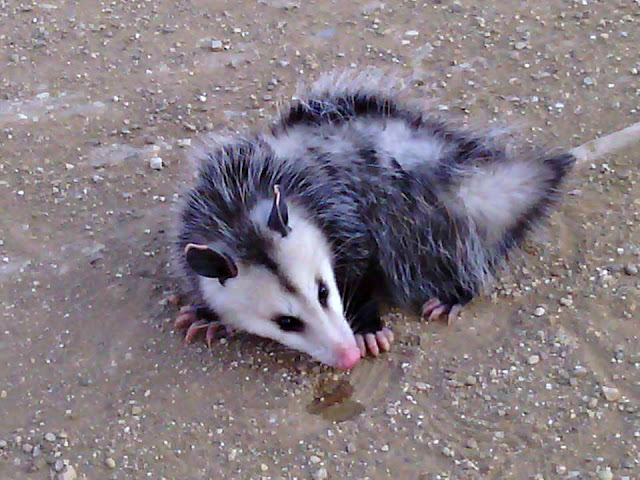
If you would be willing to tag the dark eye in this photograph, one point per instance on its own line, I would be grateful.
(323, 293)
(288, 323)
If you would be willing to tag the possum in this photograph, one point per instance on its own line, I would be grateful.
(350, 198)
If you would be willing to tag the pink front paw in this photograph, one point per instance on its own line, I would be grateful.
(434, 309)
(374, 343)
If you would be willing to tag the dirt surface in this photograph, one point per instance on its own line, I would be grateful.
(540, 380)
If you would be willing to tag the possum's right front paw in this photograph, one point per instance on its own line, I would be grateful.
(371, 334)
(196, 319)
(374, 343)
(433, 309)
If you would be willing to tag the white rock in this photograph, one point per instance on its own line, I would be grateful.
(611, 393)
(566, 301)
(321, 474)
(540, 311)
(533, 360)
(156, 163)
(604, 474)
(69, 473)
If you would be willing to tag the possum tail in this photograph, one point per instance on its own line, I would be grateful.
(506, 197)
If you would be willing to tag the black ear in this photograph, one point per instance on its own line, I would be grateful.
(279, 217)
(209, 263)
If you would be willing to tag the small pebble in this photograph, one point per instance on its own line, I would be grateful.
(520, 45)
(321, 474)
(58, 466)
(561, 469)
(631, 269)
(411, 33)
(68, 473)
(27, 447)
(136, 410)
(533, 360)
(314, 459)
(447, 452)
(472, 444)
(50, 437)
(470, 380)
(604, 474)
(580, 371)
(566, 301)
(611, 393)
(156, 163)
(110, 463)
(3, 444)
(264, 467)
(351, 447)
(540, 311)
(385, 448)
(588, 81)
(216, 46)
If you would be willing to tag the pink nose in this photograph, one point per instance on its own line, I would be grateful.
(348, 357)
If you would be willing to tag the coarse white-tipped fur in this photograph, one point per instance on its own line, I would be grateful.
(494, 195)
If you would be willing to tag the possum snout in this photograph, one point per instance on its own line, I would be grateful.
(347, 357)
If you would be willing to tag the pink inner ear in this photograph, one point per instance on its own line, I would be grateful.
(207, 262)
(195, 245)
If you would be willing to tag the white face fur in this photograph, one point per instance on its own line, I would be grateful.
(299, 305)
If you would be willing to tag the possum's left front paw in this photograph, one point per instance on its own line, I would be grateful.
(433, 309)
(198, 318)
(374, 343)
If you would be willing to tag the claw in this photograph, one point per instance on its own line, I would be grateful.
(372, 344)
(184, 320)
(429, 306)
(453, 313)
(389, 334)
(437, 312)
(382, 341)
(361, 346)
(212, 329)
(193, 330)
(433, 309)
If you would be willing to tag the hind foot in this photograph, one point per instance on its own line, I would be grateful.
(434, 309)
(197, 319)
(374, 343)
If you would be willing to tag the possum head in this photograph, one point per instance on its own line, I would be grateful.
(286, 292)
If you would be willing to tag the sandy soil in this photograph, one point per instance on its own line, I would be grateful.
(540, 380)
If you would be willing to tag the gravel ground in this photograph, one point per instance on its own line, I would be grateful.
(97, 102)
